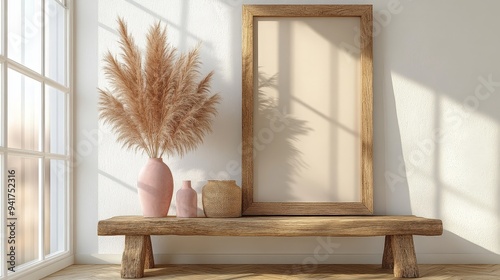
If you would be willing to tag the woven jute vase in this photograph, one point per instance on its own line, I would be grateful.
(221, 199)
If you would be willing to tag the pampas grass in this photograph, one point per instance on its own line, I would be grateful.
(156, 104)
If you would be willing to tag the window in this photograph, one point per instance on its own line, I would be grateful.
(35, 136)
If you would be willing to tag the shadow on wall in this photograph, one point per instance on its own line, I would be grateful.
(297, 250)
(220, 165)
(218, 161)
(387, 145)
(118, 182)
(445, 106)
(275, 130)
(389, 168)
(448, 79)
(181, 27)
(216, 156)
(451, 250)
(321, 89)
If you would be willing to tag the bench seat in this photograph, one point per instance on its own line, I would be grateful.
(399, 252)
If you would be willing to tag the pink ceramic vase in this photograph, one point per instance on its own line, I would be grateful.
(186, 201)
(155, 188)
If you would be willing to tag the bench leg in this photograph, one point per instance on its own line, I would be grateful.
(149, 261)
(405, 260)
(387, 258)
(136, 256)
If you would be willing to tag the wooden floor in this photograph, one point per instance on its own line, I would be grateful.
(204, 272)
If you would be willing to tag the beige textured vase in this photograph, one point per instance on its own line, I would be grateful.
(186, 201)
(221, 199)
(155, 188)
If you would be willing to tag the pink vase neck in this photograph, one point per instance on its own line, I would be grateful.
(186, 184)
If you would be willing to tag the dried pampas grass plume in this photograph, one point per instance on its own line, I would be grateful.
(156, 104)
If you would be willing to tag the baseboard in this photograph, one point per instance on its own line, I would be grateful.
(291, 259)
(42, 270)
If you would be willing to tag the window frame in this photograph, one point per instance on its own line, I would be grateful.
(60, 259)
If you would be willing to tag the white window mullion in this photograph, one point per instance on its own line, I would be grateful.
(44, 26)
(41, 209)
(68, 17)
(45, 156)
(42, 117)
(41, 142)
(3, 32)
(68, 208)
(23, 45)
(3, 127)
(28, 153)
(34, 75)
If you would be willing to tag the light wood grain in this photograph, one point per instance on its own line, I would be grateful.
(137, 256)
(307, 10)
(149, 261)
(272, 226)
(133, 258)
(308, 208)
(405, 260)
(367, 108)
(247, 109)
(399, 250)
(387, 257)
(365, 205)
(281, 271)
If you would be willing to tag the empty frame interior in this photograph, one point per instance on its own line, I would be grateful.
(307, 110)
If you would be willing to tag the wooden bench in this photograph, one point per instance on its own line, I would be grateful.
(399, 252)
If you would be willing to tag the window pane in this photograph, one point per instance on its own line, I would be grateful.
(26, 180)
(54, 196)
(25, 22)
(8, 185)
(55, 120)
(55, 45)
(2, 144)
(1, 37)
(24, 112)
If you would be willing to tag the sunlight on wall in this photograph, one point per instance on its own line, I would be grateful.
(442, 140)
(468, 189)
(415, 107)
(118, 188)
(420, 73)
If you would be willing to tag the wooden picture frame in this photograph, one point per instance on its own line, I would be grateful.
(253, 17)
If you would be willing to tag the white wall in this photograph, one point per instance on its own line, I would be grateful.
(436, 130)
(85, 138)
